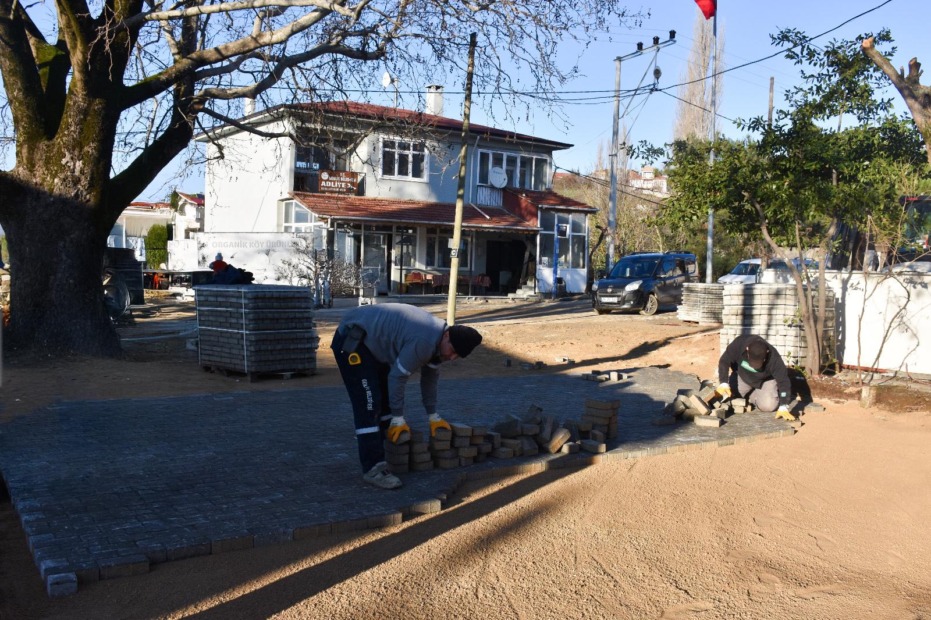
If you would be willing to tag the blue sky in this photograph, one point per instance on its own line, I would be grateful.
(745, 26)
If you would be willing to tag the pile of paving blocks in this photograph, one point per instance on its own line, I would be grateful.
(704, 407)
(772, 311)
(256, 329)
(701, 303)
(532, 434)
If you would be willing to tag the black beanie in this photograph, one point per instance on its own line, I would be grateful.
(757, 351)
(464, 339)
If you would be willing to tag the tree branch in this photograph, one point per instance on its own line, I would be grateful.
(190, 63)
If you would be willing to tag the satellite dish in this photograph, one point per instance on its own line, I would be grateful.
(497, 177)
(386, 80)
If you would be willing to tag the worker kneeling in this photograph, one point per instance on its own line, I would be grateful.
(755, 370)
(377, 349)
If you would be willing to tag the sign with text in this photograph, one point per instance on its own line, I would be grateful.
(339, 182)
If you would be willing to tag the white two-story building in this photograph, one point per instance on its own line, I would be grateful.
(376, 187)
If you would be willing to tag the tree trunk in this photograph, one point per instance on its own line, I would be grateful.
(916, 96)
(56, 248)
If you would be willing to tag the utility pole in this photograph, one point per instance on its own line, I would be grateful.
(456, 243)
(709, 253)
(612, 155)
(769, 115)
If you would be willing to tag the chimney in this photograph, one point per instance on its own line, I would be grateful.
(434, 100)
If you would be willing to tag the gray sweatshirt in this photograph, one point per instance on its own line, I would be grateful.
(407, 339)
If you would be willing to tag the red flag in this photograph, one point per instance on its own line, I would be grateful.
(707, 7)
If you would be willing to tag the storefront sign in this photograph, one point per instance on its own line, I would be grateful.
(339, 182)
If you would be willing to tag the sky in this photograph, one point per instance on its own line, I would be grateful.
(745, 26)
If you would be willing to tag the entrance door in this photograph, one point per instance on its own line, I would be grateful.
(504, 262)
(375, 254)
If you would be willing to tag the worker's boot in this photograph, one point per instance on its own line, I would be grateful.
(381, 477)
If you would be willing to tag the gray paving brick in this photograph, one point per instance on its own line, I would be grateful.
(106, 488)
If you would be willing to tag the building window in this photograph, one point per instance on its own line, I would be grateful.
(403, 159)
(297, 219)
(438, 249)
(523, 171)
(571, 230)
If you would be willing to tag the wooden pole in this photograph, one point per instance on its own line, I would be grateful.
(460, 192)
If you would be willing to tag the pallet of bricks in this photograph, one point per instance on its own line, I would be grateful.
(256, 329)
(516, 436)
(772, 312)
(701, 303)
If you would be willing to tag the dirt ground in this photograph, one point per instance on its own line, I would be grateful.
(831, 523)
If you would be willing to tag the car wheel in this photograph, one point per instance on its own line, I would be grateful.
(652, 305)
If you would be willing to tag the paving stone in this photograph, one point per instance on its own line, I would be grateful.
(61, 584)
(194, 475)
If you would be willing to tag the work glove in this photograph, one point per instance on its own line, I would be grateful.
(437, 422)
(784, 413)
(724, 391)
(398, 431)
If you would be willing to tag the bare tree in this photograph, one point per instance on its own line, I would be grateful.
(693, 113)
(104, 98)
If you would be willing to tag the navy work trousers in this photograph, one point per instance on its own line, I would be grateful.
(367, 384)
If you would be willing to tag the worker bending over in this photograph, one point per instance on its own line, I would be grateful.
(755, 370)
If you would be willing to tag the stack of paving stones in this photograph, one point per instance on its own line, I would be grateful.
(701, 303)
(772, 311)
(256, 329)
(517, 436)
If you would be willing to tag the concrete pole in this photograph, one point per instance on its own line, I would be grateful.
(460, 191)
(612, 156)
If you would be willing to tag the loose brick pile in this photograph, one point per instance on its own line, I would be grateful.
(513, 437)
(703, 407)
(256, 329)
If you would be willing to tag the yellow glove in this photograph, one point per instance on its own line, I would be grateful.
(437, 422)
(784, 413)
(724, 390)
(398, 431)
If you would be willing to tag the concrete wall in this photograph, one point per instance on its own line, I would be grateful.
(242, 189)
(885, 321)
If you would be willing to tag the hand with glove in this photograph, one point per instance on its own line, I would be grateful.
(784, 413)
(398, 431)
(437, 422)
(724, 390)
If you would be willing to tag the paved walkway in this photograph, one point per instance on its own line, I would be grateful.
(106, 488)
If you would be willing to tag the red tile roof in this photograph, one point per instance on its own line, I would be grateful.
(552, 200)
(387, 210)
(397, 115)
(196, 199)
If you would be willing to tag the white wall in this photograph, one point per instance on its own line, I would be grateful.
(884, 321)
(241, 190)
(259, 253)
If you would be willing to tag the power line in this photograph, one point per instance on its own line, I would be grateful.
(782, 51)
(695, 105)
(604, 183)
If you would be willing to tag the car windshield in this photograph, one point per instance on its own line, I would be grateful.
(634, 267)
(745, 269)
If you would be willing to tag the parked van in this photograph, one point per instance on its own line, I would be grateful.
(644, 281)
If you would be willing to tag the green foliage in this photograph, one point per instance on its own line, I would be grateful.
(156, 246)
(794, 184)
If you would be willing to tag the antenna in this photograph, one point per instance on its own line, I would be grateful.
(497, 178)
